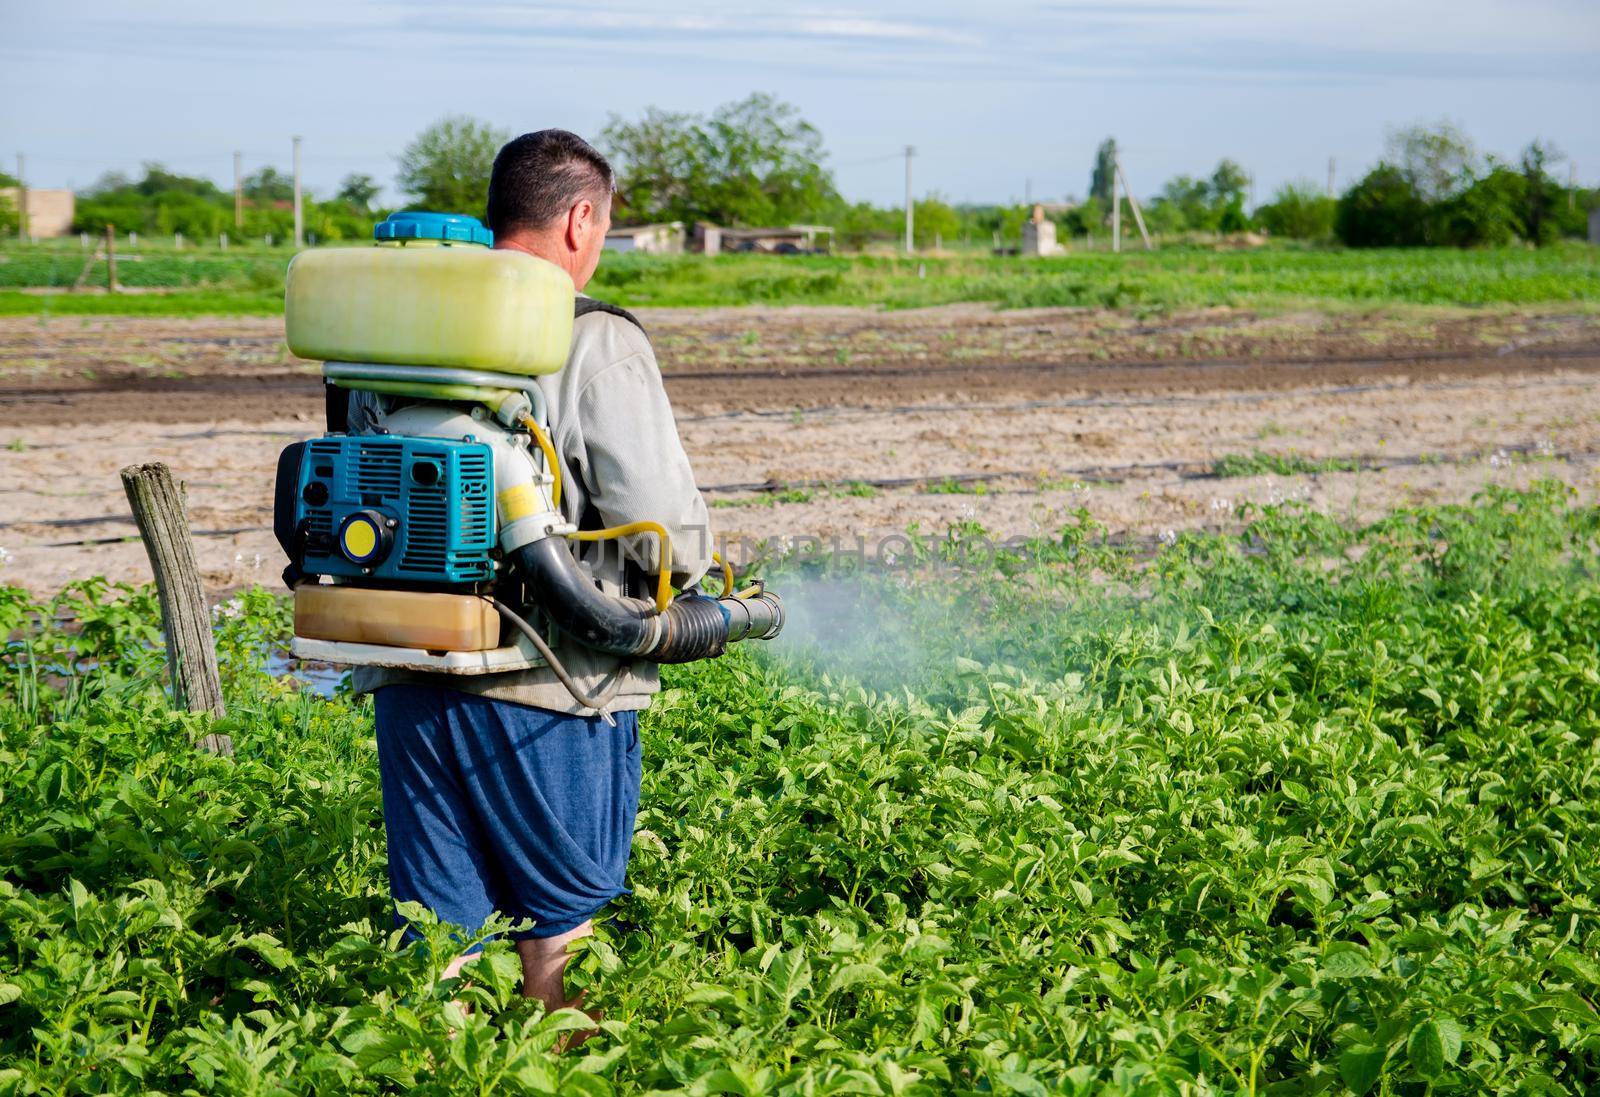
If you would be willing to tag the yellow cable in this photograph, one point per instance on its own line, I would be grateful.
(663, 576)
(727, 574)
(550, 461)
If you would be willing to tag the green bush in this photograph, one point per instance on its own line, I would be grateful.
(1298, 211)
(1486, 213)
(163, 203)
(1382, 210)
(8, 208)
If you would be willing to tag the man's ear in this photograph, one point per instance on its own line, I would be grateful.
(580, 222)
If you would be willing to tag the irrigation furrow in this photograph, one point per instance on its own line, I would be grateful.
(306, 381)
(861, 372)
(867, 411)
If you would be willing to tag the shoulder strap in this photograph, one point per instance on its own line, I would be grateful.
(583, 306)
(336, 408)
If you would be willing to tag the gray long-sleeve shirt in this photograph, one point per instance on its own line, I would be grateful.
(613, 429)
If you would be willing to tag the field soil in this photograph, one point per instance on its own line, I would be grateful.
(843, 424)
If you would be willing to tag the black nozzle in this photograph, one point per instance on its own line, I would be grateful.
(693, 627)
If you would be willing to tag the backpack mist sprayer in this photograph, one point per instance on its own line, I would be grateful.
(434, 541)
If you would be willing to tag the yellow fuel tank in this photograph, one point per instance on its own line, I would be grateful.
(428, 305)
(396, 618)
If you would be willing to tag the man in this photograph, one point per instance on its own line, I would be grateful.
(499, 792)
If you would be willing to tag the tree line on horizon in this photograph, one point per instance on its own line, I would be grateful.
(758, 161)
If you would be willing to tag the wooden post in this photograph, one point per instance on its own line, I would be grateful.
(111, 257)
(163, 519)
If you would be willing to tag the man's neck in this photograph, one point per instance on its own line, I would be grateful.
(540, 248)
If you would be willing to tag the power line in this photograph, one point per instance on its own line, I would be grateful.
(869, 160)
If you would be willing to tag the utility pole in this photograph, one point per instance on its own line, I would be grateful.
(22, 201)
(299, 217)
(1027, 193)
(1116, 203)
(910, 211)
(111, 258)
(1330, 177)
(1572, 184)
(1133, 204)
(238, 189)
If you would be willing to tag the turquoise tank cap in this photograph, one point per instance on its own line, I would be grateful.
(454, 228)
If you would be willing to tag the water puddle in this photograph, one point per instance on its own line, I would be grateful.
(321, 678)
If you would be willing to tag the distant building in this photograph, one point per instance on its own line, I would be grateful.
(660, 239)
(1039, 234)
(1594, 225)
(706, 238)
(49, 212)
(711, 239)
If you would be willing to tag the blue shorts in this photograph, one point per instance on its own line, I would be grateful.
(493, 806)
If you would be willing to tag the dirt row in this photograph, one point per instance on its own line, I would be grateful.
(1434, 407)
(186, 370)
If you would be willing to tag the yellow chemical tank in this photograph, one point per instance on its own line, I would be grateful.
(430, 294)
(397, 618)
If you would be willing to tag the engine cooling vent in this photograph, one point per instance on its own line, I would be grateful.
(438, 494)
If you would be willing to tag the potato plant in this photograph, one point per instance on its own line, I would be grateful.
(1308, 809)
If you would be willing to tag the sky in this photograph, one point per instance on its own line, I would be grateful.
(1001, 100)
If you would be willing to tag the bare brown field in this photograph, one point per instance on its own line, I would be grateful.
(846, 423)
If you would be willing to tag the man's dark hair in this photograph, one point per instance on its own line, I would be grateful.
(538, 176)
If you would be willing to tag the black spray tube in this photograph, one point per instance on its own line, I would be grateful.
(693, 627)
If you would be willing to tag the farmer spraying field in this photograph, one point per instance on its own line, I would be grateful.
(485, 422)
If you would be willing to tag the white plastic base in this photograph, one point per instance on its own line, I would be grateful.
(520, 656)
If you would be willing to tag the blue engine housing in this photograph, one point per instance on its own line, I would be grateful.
(384, 507)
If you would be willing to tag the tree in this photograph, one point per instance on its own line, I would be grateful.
(935, 220)
(855, 225)
(8, 209)
(1233, 218)
(1486, 214)
(1229, 184)
(158, 180)
(163, 202)
(1540, 194)
(1382, 210)
(1437, 160)
(109, 182)
(1105, 164)
(660, 174)
(1298, 211)
(1185, 204)
(358, 190)
(756, 161)
(1214, 204)
(268, 184)
(446, 168)
(765, 162)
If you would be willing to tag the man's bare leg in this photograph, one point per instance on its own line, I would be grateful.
(544, 963)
